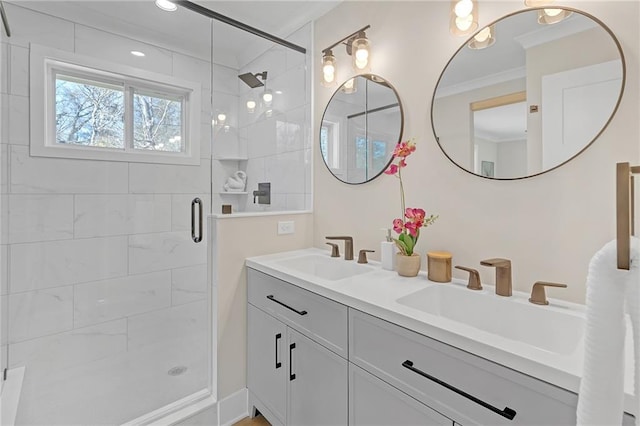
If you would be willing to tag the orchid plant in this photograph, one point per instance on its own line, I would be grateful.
(413, 219)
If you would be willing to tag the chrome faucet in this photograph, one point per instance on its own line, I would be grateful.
(348, 246)
(503, 274)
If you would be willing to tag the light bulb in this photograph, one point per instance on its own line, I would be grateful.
(166, 5)
(221, 118)
(328, 69)
(483, 35)
(362, 54)
(553, 12)
(349, 86)
(267, 97)
(137, 53)
(329, 77)
(251, 105)
(464, 23)
(360, 64)
(463, 8)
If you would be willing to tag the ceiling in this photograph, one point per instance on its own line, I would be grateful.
(187, 31)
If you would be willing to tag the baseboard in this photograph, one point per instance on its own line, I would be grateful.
(233, 408)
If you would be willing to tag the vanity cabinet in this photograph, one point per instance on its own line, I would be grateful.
(312, 360)
(297, 345)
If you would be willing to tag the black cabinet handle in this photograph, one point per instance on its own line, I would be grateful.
(273, 299)
(278, 363)
(291, 348)
(507, 412)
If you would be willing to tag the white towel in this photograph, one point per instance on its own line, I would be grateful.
(601, 398)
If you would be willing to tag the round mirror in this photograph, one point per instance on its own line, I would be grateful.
(528, 93)
(360, 128)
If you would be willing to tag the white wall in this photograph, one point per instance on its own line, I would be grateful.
(549, 225)
(512, 158)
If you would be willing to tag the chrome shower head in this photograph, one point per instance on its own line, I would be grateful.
(252, 81)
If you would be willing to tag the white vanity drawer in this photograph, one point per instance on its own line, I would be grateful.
(317, 317)
(461, 386)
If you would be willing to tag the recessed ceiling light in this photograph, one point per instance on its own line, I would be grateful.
(166, 5)
(137, 53)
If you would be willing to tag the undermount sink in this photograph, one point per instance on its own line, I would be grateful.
(540, 326)
(324, 267)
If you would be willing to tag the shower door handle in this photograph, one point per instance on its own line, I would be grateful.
(198, 201)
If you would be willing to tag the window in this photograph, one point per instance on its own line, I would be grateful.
(98, 110)
(330, 145)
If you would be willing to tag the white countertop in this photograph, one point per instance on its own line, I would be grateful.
(376, 293)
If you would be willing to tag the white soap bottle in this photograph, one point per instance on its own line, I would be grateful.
(388, 252)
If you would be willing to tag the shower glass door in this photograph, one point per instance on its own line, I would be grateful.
(106, 299)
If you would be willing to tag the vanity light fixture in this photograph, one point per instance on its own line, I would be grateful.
(552, 16)
(222, 117)
(166, 5)
(486, 37)
(357, 45)
(463, 17)
(328, 68)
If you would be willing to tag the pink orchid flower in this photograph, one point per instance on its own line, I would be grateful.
(398, 226)
(416, 215)
(392, 170)
(412, 227)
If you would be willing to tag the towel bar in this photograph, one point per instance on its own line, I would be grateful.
(625, 212)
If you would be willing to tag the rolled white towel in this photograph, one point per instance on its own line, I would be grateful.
(601, 398)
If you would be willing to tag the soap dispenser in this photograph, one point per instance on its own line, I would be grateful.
(388, 252)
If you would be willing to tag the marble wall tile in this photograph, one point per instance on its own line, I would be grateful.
(301, 37)
(4, 218)
(107, 300)
(71, 348)
(110, 47)
(55, 175)
(256, 173)
(4, 323)
(105, 215)
(274, 60)
(170, 326)
(292, 84)
(286, 172)
(192, 69)
(169, 179)
(168, 250)
(262, 138)
(4, 269)
(4, 118)
(40, 218)
(40, 313)
(4, 168)
(188, 284)
(225, 79)
(28, 26)
(18, 120)
(295, 202)
(4, 68)
(56, 263)
(19, 71)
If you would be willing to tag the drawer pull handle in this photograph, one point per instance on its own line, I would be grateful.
(292, 376)
(273, 299)
(507, 412)
(278, 363)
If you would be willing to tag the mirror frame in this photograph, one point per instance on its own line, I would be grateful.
(587, 145)
(395, 92)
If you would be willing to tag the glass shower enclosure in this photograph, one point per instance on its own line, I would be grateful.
(106, 299)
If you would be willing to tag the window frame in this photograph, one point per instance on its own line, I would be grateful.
(47, 63)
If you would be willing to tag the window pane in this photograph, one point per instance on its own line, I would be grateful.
(89, 114)
(380, 159)
(157, 123)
